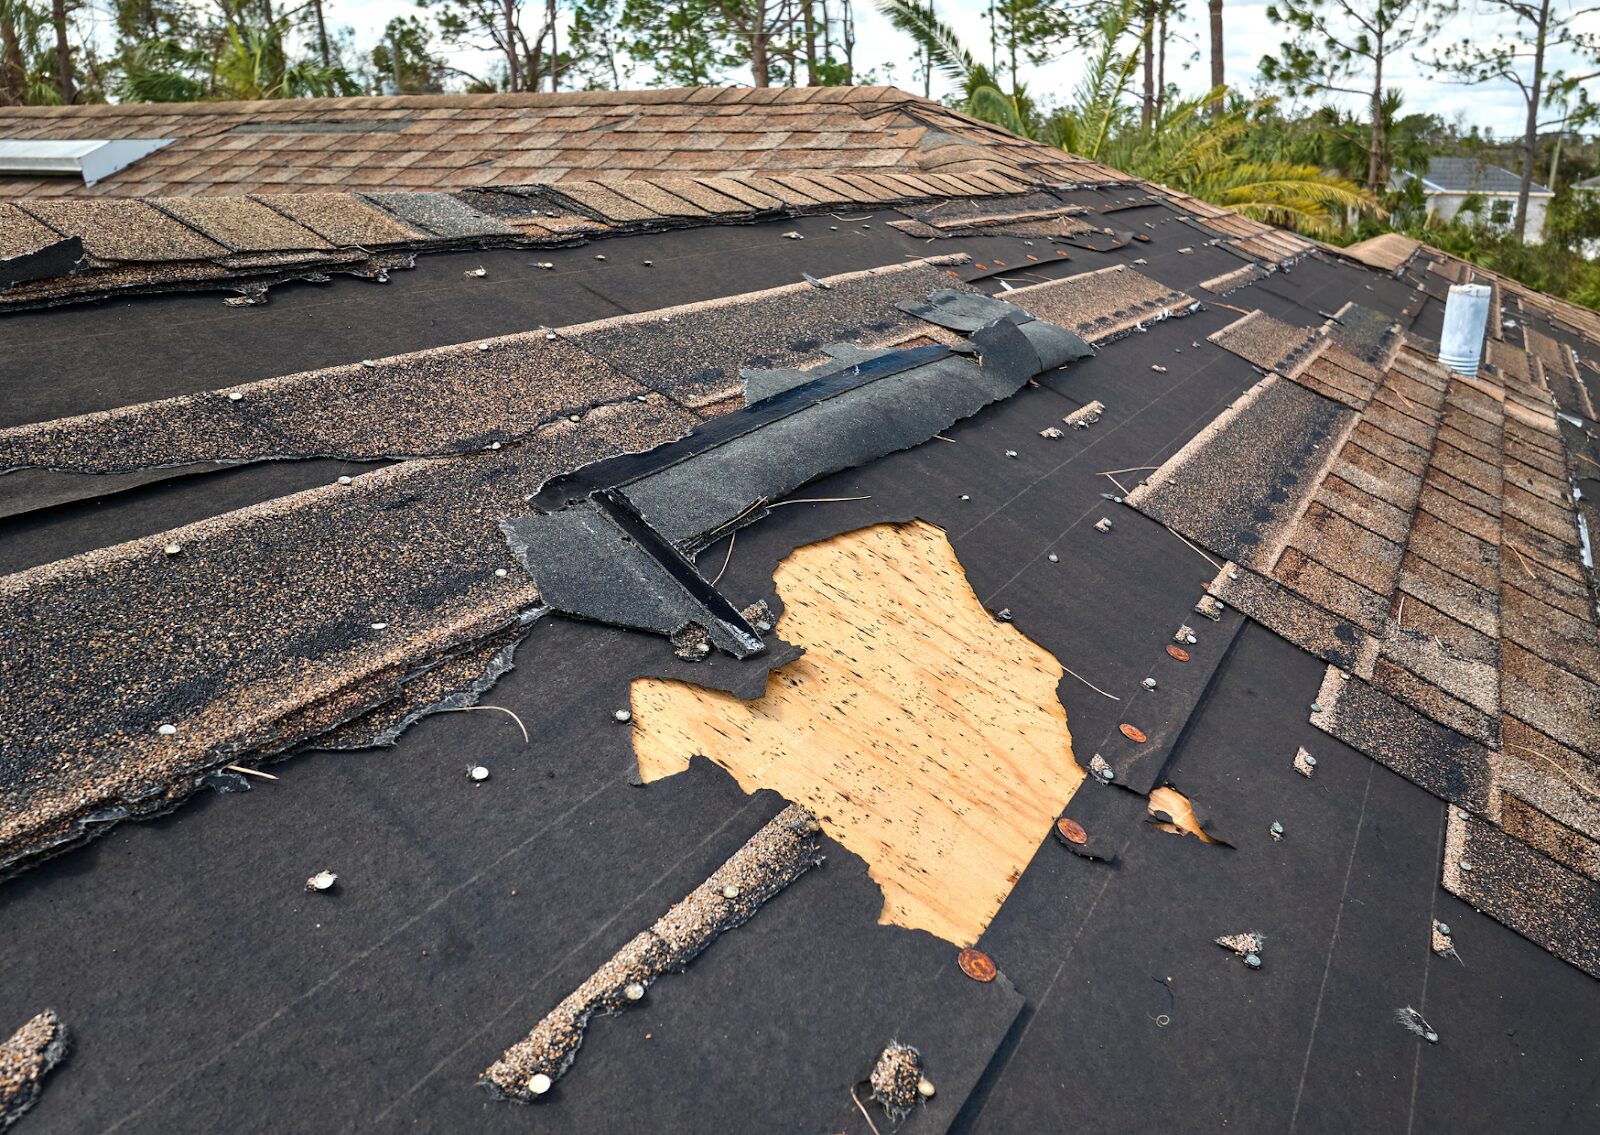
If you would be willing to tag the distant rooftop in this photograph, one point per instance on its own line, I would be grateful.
(1470, 175)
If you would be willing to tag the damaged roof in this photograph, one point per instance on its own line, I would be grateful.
(796, 593)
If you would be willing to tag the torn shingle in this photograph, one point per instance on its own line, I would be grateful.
(694, 353)
(1269, 343)
(1103, 305)
(394, 571)
(446, 400)
(774, 857)
(1524, 889)
(25, 1059)
(1237, 487)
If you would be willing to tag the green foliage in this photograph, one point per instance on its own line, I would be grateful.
(171, 51)
(403, 61)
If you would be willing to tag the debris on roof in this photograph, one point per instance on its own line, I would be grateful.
(26, 1058)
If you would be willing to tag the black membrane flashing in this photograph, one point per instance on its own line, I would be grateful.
(613, 543)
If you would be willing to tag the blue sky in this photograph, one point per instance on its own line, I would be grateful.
(1249, 35)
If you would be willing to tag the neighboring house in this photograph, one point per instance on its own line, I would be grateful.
(328, 416)
(1448, 184)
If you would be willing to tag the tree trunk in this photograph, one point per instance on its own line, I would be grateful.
(759, 66)
(1218, 71)
(1530, 135)
(65, 87)
(847, 32)
(555, 51)
(811, 42)
(13, 72)
(322, 34)
(1375, 162)
(1161, 66)
(1147, 108)
(513, 70)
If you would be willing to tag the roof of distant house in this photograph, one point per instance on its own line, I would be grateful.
(1471, 175)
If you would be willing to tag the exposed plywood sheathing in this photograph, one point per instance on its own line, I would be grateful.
(925, 736)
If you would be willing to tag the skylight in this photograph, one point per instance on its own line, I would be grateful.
(91, 159)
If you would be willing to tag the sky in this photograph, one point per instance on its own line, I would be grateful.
(1496, 108)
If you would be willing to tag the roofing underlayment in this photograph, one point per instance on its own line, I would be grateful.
(773, 610)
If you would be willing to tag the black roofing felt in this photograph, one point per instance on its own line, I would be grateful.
(225, 997)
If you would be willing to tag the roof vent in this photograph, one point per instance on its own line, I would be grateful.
(90, 159)
(1466, 313)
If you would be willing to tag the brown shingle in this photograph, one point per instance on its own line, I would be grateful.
(342, 219)
(118, 230)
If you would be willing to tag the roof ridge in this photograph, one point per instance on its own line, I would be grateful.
(497, 99)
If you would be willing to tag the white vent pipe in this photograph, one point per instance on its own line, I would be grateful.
(1466, 314)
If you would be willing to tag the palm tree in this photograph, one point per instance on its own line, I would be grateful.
(937, 40)
(247, 59)
(1180, 147)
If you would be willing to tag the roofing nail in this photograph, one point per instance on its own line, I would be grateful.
(730, 891)
(1233, 575)
(500, 573)
(167, 730)
(1191, 640)
(549, 334)
(622, 716)
(1253, 961)
(545, 264)
(965, 497)
(1053, 558)
(977, 965)
(1149, 683)
(483, 346)
(322, 881)
(1276, 830)
(791, 235)
(1310, 760)
(1316, 707)
(494, 445)
(599, 256)
(173, 549)
(368, 363)
(925, 1088)
(380, 626)
(1442, 928)
(1103, 525)
(1003, 614)
(477, 273)
(539, 1083)
(235, 396)
(1158, 368)
(649, 263)
(1011, 453)
(344, 480)
(1108, 773)
(633, 991)
(478, 772)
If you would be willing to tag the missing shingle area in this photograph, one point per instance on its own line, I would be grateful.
(969, 760)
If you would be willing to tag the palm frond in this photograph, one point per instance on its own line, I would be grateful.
(934, 36)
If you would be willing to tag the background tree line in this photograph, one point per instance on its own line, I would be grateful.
(1277, 145)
